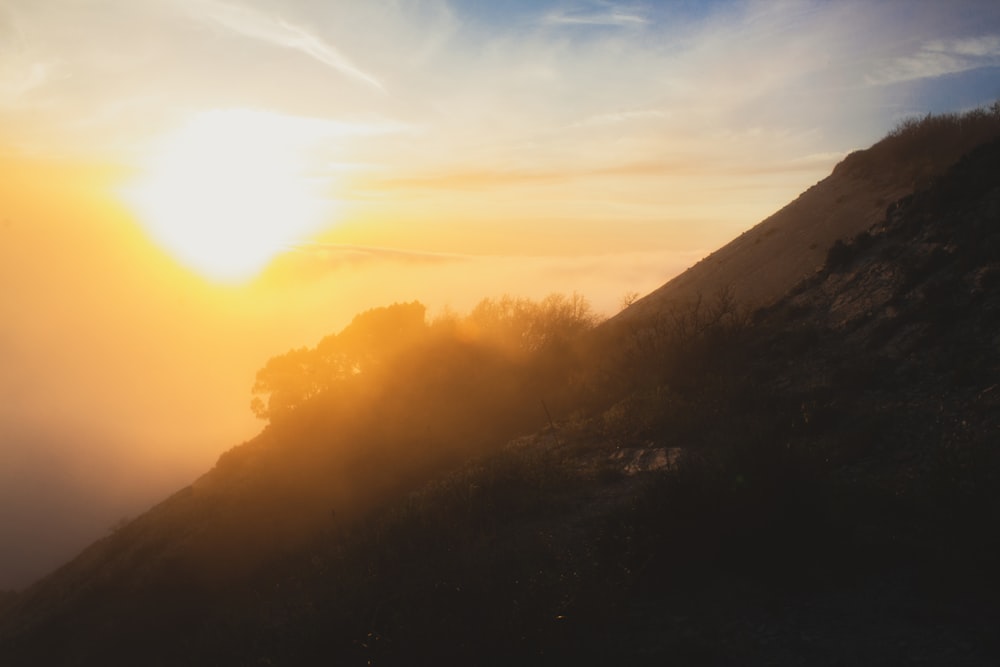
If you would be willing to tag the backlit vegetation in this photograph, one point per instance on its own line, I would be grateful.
(926, 145)
(456, 490)
(528, 344)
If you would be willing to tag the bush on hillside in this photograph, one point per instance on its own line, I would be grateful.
(389, 346)
(924, 146)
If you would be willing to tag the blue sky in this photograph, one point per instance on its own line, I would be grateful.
(99, 75)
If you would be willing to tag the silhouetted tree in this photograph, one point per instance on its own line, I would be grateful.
(502, 343)
(364, 346)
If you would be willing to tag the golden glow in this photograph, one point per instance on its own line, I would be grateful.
(229, 191)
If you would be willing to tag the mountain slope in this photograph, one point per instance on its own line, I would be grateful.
(816, 485)
(766, 261)
(825, 494)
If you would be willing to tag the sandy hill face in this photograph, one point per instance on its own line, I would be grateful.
(762, 264)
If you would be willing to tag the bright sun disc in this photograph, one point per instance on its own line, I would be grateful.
(229, 191)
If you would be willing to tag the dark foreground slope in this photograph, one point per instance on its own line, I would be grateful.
(824, 492)
(816, 484)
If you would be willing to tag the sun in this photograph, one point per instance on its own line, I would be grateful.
(229, 190)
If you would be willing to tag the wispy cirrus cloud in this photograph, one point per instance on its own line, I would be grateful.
(688, 167)
(940, 57)
(316, 261)
(256, 24)
(606, 15)
(21, 71)
(603, 277)
(19, 79)
(616, 117)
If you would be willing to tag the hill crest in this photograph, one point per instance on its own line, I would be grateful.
(766, 261)
(857, 407)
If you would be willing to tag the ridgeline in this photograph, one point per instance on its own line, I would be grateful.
(787, 455)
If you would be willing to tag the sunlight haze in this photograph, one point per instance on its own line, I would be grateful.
(229, 191)
(188, 188)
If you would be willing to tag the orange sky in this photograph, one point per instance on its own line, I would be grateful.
(189, 187)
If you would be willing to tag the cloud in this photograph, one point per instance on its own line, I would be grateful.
(461, 280)
(19, 79)
(621, 117)
(939, 57)
(21, 71)
(609, 15)
(336, 254)
(258, 25)
(312, 261)
(464, 178)
(481, 179)
(981, 47)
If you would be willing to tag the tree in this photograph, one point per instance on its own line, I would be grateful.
(526, 327)
(287, 381)
(362, 348)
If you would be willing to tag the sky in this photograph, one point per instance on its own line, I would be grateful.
(188, 187)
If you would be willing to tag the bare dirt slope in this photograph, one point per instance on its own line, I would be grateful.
(765, 262)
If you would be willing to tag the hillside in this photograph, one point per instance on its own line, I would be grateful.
(812, 483)
(766, 261)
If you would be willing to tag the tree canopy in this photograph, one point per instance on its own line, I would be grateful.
(376, 346)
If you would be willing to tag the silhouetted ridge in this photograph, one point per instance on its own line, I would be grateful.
(813, 482)
(764, 262)
(923, 147)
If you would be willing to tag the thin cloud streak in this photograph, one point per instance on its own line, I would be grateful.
(939, 58)
(460, 280)
(258, 25)
(482, 179)
(612, 18)
(19, 80)
(20, 70)
(621, 117)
